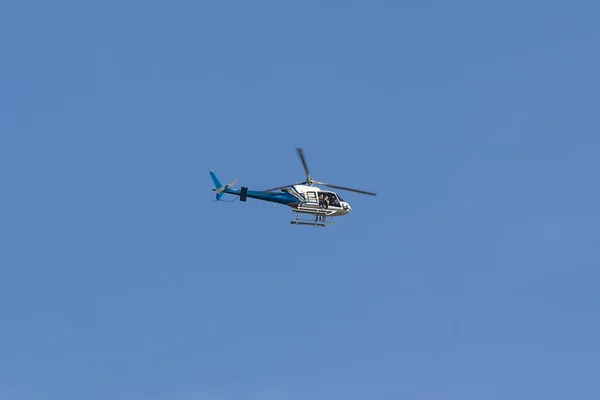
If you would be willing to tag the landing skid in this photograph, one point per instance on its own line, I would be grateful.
(314, 223)
(320, 220)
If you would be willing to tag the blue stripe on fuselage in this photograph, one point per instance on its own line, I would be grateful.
(281, 197)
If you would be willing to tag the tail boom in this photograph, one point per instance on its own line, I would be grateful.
(244, 193)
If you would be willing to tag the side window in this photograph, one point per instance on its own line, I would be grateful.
(311, 197)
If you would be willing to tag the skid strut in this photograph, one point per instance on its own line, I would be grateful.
(320, 220)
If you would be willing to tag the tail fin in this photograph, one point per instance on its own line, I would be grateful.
(220, 189)
(215, 179)
(217, 183)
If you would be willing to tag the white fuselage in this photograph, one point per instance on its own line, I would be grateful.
(317, 201)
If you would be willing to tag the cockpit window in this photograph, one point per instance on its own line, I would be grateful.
(333, 199)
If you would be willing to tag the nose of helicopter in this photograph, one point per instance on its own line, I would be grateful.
(346, 207)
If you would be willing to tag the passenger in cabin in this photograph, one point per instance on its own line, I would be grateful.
(321, 200)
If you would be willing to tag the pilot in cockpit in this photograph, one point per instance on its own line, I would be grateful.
(334, 201)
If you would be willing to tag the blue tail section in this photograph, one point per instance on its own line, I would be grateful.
(215, 180)
(244, 193)
(217, 184)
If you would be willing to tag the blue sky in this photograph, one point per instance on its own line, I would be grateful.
(472, 275)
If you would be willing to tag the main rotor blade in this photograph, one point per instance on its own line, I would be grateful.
(283, 187)
(348, 189)
(277, 188)
(301, 155)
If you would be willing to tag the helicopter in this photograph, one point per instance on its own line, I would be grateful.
(304, 198)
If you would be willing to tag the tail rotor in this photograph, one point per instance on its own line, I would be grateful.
(220, 189)
(223, 188)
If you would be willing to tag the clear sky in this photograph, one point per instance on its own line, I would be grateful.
(473, 274)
